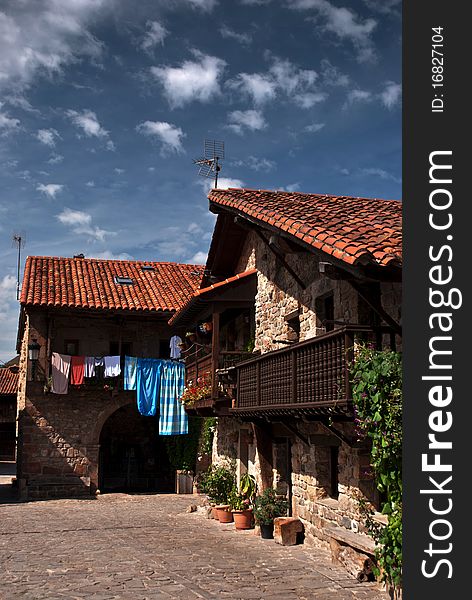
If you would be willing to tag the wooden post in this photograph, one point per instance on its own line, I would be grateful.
(215, 351)
(264, 451)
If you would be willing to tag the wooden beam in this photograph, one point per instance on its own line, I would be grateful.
(296, 433)
(264, 450)
(215, 351)
(377, 307)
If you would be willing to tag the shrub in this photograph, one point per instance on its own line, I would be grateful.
(268, 506)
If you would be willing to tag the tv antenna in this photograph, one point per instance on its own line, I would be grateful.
(19, 241)
(213, 152)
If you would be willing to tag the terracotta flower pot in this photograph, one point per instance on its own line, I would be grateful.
(214, 512)
(242, 519)
(224, 513)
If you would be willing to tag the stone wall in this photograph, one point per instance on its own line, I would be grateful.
(59, 435)
(311, 478)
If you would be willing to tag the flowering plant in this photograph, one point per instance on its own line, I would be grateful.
(197, 391)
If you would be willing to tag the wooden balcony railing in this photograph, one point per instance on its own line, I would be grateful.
(200, 364)
(308, 375)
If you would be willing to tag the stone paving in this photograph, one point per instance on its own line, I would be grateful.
(141, 547)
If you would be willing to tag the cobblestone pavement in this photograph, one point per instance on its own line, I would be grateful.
(146, 546)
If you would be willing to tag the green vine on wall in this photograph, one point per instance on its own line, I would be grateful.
(376, 378)
(182, 449)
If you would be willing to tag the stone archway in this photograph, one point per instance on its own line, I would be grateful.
(132, 457)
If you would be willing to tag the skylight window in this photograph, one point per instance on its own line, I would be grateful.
(123, 280)
(147, 268)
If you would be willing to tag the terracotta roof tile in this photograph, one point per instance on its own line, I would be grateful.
(90, 283)
(355, 230)
(8, 381)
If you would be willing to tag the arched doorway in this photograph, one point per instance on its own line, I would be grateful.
(133, 458)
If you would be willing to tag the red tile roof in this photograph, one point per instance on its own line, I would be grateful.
(353, 230)
(198, 297)
(89, 283)
(8, 381)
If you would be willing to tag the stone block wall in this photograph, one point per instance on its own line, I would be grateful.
(59, 440)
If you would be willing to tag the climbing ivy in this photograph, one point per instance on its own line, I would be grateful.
(376, 378)
(206, 436)
(182, 449)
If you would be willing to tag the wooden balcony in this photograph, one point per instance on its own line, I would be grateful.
(202, 364)
(306, 378)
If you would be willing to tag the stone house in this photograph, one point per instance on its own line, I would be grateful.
(92, 437)
(8, 390)
(292, 283)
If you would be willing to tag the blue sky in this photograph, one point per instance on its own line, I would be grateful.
(104, 104)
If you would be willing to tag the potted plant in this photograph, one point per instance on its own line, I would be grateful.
(217, 484)
(266, 508)
(241, 501)
(241, 510)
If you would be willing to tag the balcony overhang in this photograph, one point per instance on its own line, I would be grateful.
(239, 290)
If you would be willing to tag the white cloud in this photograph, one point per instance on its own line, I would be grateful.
(7, 124)
(314, 127)
(90, 184)
(196, 80)
(205, 5)
(223, 184)
(7, 295)
(283, 78)
(169, 135)
(332, 76)
(375, 172)
(55, 159)
(50, 189)
(309, 99)
(246, 119)
(342, 22)
(81, 223)
(119, 171)
(391, 95)
(87, 121)
(199, 258)
(241, 38)
(41, 38)
(48, 136)
(109, 255)
(155, 34)
(256, 164)
(354, 96)
(260, 87)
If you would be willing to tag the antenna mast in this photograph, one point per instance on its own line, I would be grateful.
(213, 151)
(19, 241)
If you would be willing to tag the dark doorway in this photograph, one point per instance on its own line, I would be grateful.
(133, 458)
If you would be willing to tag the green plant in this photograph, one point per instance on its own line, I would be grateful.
(217, 483)
(249, 347)
(237, 500)
(207, 434)
(376, 378)
(268, 506)
(248, 487)
(182, 450)
(196, 391)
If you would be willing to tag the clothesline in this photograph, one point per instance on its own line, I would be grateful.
(158, 382)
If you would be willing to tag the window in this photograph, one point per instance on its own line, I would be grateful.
(147, 268)
(164, 350)
(123, 280)
(126, 348)
(71, 347)
(293, 323)
(324, 307)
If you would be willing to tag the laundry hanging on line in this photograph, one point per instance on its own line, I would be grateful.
(60, 367)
